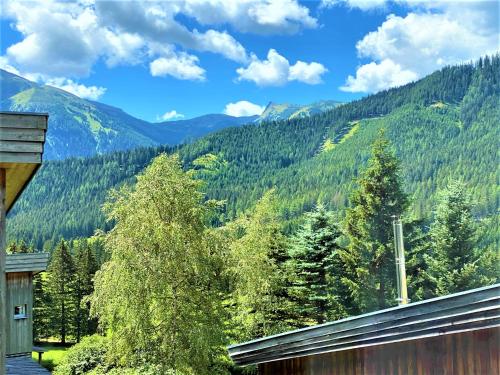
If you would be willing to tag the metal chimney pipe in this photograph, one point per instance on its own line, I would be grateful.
(399, 251)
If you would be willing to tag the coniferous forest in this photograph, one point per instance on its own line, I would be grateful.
(161, 257)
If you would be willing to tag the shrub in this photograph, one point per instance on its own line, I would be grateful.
(88, 355)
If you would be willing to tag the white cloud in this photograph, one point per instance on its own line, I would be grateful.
(374, 77)
(170, 115)
(56, 40)
(252, 16)
(4, 64)
(307, 73)
(61, 38)
(243, 108)
(222, 43)
(271, 72)
(406, 48)
(277, 71)
(183, 66)
(361, 4)
(68, 38)
(78, 89)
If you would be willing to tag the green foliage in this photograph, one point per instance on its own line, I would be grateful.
(455, 264)
(61, 284)
(86, 267)
(434, 144)
(42, 308)
(258, 256)
(158, 297)
(368, 257)
(86, 356)
(315, 262)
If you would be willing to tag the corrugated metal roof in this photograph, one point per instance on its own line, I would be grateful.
(26, 262)
(465, 311)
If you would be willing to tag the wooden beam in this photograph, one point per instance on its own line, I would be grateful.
(21, 147)
(21, 134)
(29, 121)
(3, 314)
(14, 157)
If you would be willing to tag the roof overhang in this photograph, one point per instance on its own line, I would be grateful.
(466, 311)
(26, 262)
(22, 137)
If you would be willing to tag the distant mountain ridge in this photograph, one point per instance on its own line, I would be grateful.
(285, 111)
(79, 127)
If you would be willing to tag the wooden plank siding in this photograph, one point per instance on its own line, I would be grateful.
(19, 331)
(22, 137)
(465, 353)
(31, 262)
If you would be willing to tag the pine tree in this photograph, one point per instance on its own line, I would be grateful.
(61, 288)
(369, 256)
(86, 267)
(455, 263)
(314, 261)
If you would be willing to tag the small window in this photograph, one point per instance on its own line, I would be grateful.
(20, 312)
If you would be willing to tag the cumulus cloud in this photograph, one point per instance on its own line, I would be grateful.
(170, 115)
(361, 4)
(66, 39)
(78, 89)
(183, 66)
(433, 35)
(243, 108)
(277, 71)
(252, 16)
(374, 77)
(406, 48)
(155, 23)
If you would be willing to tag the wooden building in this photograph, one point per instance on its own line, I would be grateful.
(457, 334)
(22, 136)
(20, 269)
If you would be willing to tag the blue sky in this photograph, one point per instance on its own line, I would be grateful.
(187, 58)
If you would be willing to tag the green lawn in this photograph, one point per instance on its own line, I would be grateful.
(53, 355)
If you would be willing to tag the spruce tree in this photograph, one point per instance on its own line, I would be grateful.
(61, 287)
(369, 256)
(455, 263)
(314, 260)
(42, 308)
(86, 267)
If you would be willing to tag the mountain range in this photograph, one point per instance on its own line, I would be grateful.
(79, 127)
(442, 127)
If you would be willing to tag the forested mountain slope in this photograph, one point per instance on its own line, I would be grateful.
(79, 127)
(445, 126)
(285, 111)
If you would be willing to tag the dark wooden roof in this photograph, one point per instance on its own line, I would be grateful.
(22, 137)
(466, 311)
(26, 262)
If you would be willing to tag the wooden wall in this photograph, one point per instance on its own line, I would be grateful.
(19, 331)
(468, 353)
